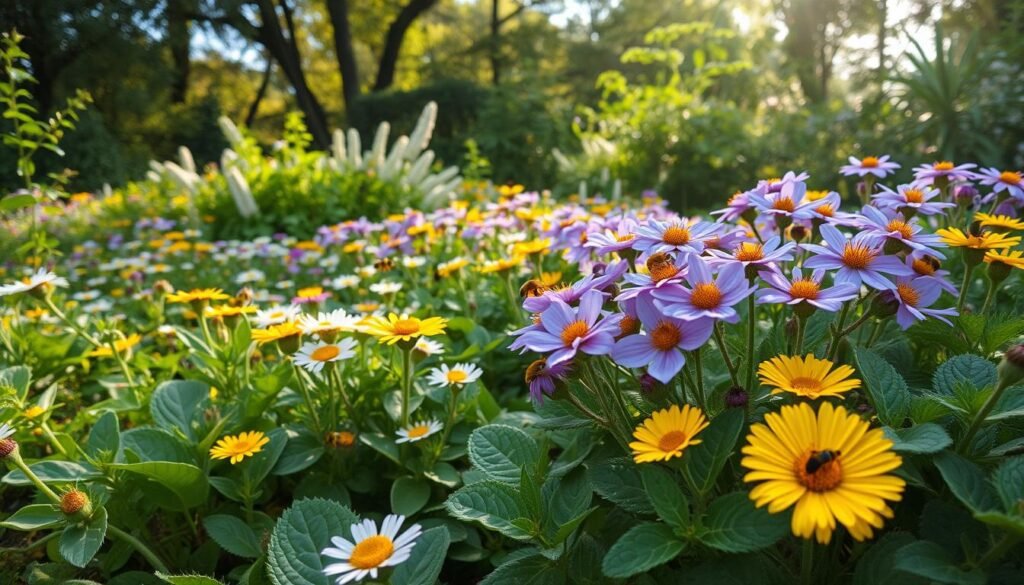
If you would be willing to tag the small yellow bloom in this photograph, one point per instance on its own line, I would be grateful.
(1014, 258)
(239, 447)
(999, 221)
(492, 266)
(276, 332)
(34, 411)
(397, 328)
(197, 294)
(809, 377)
(985, 241)
(667, 433)
(121, 345)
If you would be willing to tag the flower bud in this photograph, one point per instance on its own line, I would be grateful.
(161, 288)
(964, 195)
(736, 397)
(7, 446)
(797, 232)
(885, 305)
(76, 503)
(1011, 369)
(648, 383)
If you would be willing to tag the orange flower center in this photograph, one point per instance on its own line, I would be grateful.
(706, 295)
(784, 204)
(1010, 177)
(900, 226)
(672, 440)
(805, 288)
(629, 324)
(857, 256)
(325, 353)
(826, 210)
(810, 386)
(943, 166)
(406, 326)
(825, 478)
(574, 331)
(624, 238)
(676, 235)
(418, 431)
(907, 293)
(371, 552)
(749, 252)
(914, 195)
(869, 162)
(665, 336)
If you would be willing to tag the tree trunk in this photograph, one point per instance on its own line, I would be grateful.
(254, 107)
(179, 37)
(286, 52)
(347, 65)
(393, 41)
(495, 43)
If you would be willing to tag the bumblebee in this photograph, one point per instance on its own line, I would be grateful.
(818, 459)
(384, 264)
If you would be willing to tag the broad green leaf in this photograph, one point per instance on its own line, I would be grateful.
(666, 496)
(18, 378)
(233, 535)
(425, 562)
(153, 444)
(1011, 523)
(886, 388)
(964, 370)
(493, 504)
(530, 569)
(189, 579)
(924, 438)
(1009, 482)
(618, 481)
(303, 450)
(931, 561)
(735, 525)
(967, 482)
(878, 565)
(1010, 405)
(55, 472)
(409, 495)
(384, 445)
(33, 517)
(642, 548)
(444, 474)
(259, 465)
(703, 462)
(300, 534)
(502, 451)
(179, 404)
(104, 437)
(187, 482)
(80, 541)
(16, 202)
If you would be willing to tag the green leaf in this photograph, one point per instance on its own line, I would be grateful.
(153, 444)
(104, 437)
(964, 370)
(257, 467)
(734, 524)
(703, 462)
(79, 542)
(425, 562)
(16, 202)
(189, 579)
(233, 535)
(1011, 523)
(444, 474)
(502, 451)
(666, 496)
(409, 495)
(618, 481)
(493, 504)
(187, 482)
(1009, 482)
(302, 450)
(179, 404)
(931, 561)
(33, 517)
(642, 548)
(878, 565)
(300, 534)
(18, 378)
(886, 388)
(966, 481)
(530, 569)
(383, 445)
(54, 472)
(925, 438)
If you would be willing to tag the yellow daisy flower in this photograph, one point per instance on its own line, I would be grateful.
(984, 241)
(276, 332)
(121, 345)
(239, 447)
(1014, 258)
(830, 465)
(809, 377)
(197, 294)
(222, 311)
(492, 266)
(397, 328)
(999, 221)
(667, 433)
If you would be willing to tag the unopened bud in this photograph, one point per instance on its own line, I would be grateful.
(736, 397)
(885, 305)
(648, 383)
(76, 503)
(964, 195)
(798, 232)
(1011, 369)
(161, 288)
(7, 446)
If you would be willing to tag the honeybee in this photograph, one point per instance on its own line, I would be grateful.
(384, 264)
(819, 458)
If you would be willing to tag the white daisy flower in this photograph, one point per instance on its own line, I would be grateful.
(428, 346)
(457, 375)
(313, 356)
(250, 276)
(86, 295)
(346, 281)
(413, 261)
(42, 277)
(366, 271)
(276, 315)
(6, 430)
(386, 287)
(418, 431)
(336, 320)
(370, 550)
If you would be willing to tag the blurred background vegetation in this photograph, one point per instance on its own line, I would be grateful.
(692, 98)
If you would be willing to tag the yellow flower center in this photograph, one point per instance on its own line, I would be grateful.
(749, 252)
(1010, 177)
(706, 295)
(665, 336)
(943, 166)
(869, 162)
(900, 226)
(784, 204)
(629, 324)
(418, 431)
(371, 552)
(858, 256)
(826, 477)
(804, 288)
(907, 293)
(325, 353)
(624, 238)
(914, 195)
(826, 210)
(406, 326)
(807, 386)
(671, 440)
(574, 331)
(457, 376)
(676, 235)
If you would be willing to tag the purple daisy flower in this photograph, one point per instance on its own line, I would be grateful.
(564, 331)
(914, 296)
(869, 165)
(893, 227)
(710, 297)
(737, 205)
(607, 241)
(571, 294)
(857, 261)
(674, 236)
(658, 349)
(752, 253)
(924, 265)
(662, 270)
(1010, 181)
(925, 175)
(787, 201)
(805, 290)
(543, 380)
(910, 198)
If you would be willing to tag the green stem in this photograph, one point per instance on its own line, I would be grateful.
(963, 288)
(980, 417)
(142, 549)
(989, 296)
(997, 552)
(720, 338)
(308, 399)
(807, 562)
(834, 344)
(53, 439)
(801, 324)
(751, 329)
(699, 367)
(15, 458)
(407, 372)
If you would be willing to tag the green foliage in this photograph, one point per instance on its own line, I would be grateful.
(299, 535)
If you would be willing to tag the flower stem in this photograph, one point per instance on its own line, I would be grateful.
(15, 458)
(699, 367)
(725, 354)
(406, 384)
(979, 418)
(989, 296)
(309, 402)
(751, 329)
(999, 550)
(963, 288)
(807, 562)
(138, 546)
